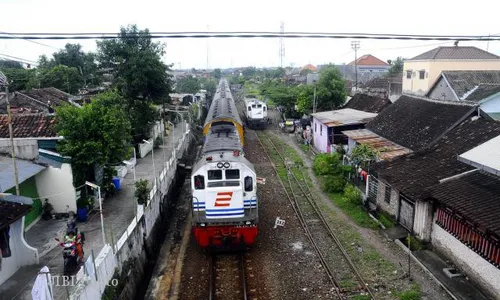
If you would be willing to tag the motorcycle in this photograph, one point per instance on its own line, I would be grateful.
(70, 255)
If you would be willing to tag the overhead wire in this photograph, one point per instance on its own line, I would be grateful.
(28, 40)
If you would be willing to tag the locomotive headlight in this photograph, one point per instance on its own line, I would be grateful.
(220, 165)
(226, 165)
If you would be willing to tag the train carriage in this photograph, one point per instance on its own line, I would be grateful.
(224, 187)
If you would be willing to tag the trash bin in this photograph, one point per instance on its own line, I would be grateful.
(116, 182)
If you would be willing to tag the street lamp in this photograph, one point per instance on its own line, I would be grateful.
(153, 157)
(95, 186)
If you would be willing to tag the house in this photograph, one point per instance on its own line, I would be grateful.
(370, 64)
(35, 101)
(47, 174)
(481, 87)
(421, 71)
(14, 250)
(327, 126)
(390, 86)
(367, 103)
(402, 183)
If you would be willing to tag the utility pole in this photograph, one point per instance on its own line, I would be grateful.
(4, 81)
(355, 47)
(314, 97)
(282, 44)
(208, 29)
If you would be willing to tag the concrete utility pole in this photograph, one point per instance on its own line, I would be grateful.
(282, 44)
(355, 47)
(5, 82)
(314, 96)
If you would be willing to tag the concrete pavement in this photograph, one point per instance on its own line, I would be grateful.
(118, 212)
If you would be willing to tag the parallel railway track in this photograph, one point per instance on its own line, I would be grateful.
(341, 271)
(227, 278)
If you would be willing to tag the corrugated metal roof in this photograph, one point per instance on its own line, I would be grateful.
(25, 170)
(485, 156)
(345, 116)
(386, 148)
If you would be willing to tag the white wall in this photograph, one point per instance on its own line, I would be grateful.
(491, 106)
(57, 185)
(25, 148)
(468, 261)
(22, 253)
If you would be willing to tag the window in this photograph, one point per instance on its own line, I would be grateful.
(259, 105)
(315, 129)
(223, 183)
(421, 74)
(4, 242)
(253, 106)
(232, 174)
(249, 108)
(248, 184)
(264, 108)
(387, 196)
(214, 174)
(408, 74)
(199, 182)
(320, 129)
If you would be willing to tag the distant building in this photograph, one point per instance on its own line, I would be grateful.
(420, 72)
(370, 64)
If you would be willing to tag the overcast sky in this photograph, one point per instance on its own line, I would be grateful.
(479, 17)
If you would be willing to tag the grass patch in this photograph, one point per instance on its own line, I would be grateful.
(413, 293)
(354, 211)
(362, 297)
(346, 284)
(415, 243)
(386, 219)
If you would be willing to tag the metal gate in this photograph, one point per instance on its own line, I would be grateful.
(372, 190)
(406, 212)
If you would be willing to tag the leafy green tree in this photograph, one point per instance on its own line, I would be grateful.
(305, 98)
(96, 134)
(217, 74)
(210, 85)
(20, 79)
(331, 90)
(139, 74)
(10, 64)
(396, 65)
(61, 77)
(249, 72)
(188, 84)
(364, 155)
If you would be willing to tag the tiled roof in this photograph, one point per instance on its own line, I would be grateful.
(456, 52)
(28, 125)
(473, 85)
(367, 103)
(369, 60)
(475, 196)
(415, 122)
(10, 212)
(55, 96)
(413, 173)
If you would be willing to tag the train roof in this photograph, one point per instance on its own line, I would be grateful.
(223, 107)
(222, 138)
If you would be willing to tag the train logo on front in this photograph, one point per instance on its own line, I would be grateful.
(223, 198)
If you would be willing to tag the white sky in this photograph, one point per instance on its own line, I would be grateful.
(441, 17)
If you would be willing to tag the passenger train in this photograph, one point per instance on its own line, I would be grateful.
(256, 113)
(224, 187)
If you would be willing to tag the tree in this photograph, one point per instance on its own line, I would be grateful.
(210, 85)
(364, 155)
(331, 90)
(95, 134)
(20, 79)
(188, 84)
(10, 64)
(217, 73)
(396, 65)
(305, 95)
(61, 77)
(139, 75)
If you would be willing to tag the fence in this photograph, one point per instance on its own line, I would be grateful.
(97, 274)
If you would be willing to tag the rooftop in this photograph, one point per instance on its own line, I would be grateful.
(28, 125)
(472, 85)
(485, 156)
(456, 52)
(11, 211)
(367, 103)
(475, 195)
(25, 169)
(369, 60)
(344, 116)
(413, 173)
(386, 148)
(415, 123)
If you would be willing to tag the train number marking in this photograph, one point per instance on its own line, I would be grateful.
(223, 198)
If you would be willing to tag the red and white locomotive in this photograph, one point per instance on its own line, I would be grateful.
(224, 187)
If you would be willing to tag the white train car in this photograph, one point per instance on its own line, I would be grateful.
(256, 113)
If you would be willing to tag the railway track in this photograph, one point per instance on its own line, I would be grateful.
(227, 277)
(341, 271)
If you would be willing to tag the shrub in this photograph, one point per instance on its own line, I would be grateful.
(412, 294)
(325, 164)
(353, 195)
(142, 191)
(333, 183)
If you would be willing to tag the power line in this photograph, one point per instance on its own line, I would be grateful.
(18, 59)
(35, 42)
(83, 36)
